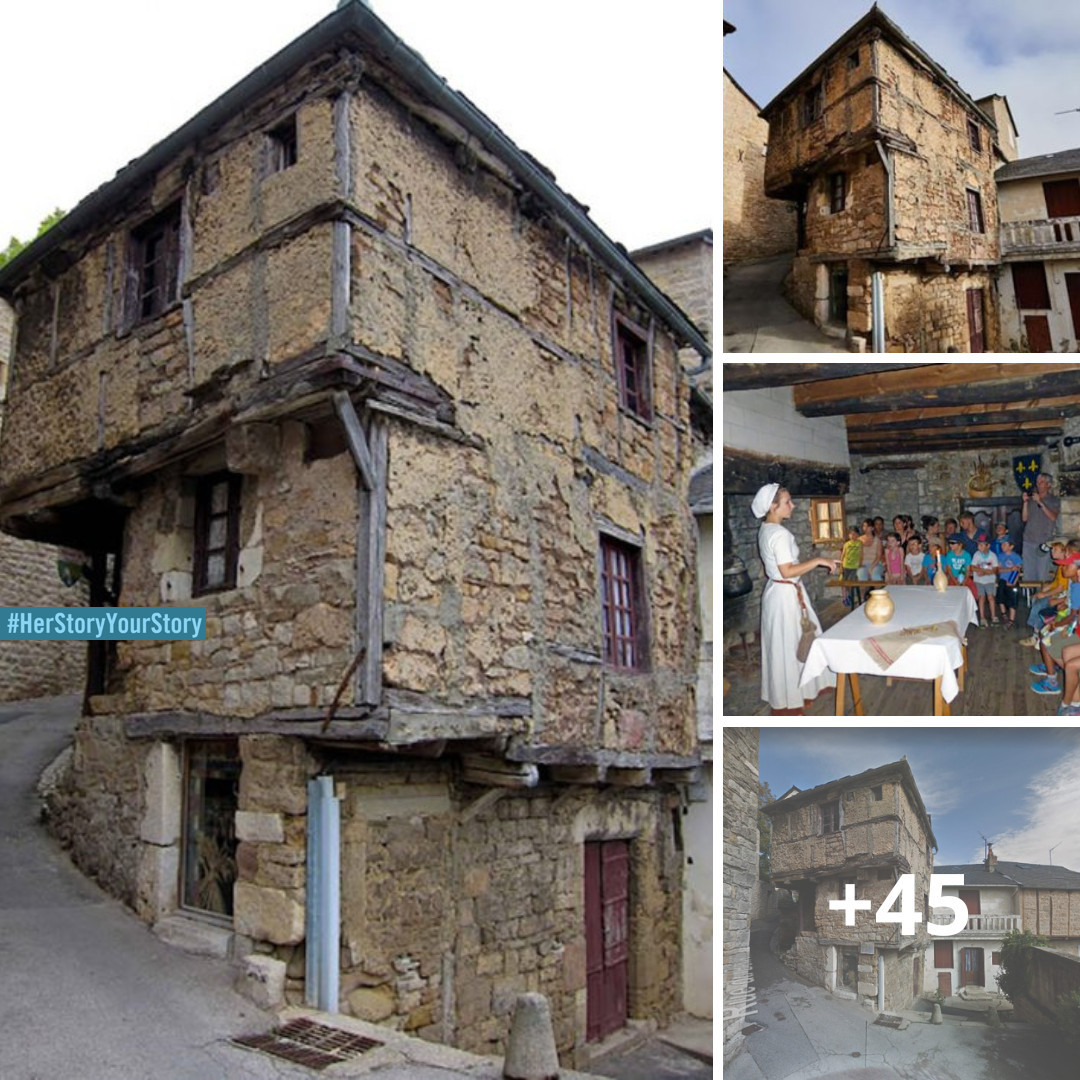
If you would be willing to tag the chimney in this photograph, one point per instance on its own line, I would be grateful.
(991, 859)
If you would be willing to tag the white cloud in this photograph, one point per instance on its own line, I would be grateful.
(1052, 808)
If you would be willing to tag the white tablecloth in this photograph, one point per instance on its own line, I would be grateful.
(916, 605)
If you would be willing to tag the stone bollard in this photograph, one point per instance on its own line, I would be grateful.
(530, 1050)
(992, 1017)
(935, 1016)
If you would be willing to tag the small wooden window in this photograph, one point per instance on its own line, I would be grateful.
(632, 368)
(943, 954)
(830, 816)
(837, 192)
(155, 255)
(974, 136)
(217, 533)
(995, 958)
(282, 146)
(976, 222)
(1062, 198)
(1029, 283)
(827, 520)
(623, 606)
(877, 793)
(853, 60)
(812, 104)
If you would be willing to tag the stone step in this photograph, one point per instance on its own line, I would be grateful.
(195, 935)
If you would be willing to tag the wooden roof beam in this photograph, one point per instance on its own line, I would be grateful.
(760, 376)
(960, 434)
(957, 384)
(970, 416)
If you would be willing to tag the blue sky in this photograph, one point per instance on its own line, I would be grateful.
(1026, 51)
(1020, 787)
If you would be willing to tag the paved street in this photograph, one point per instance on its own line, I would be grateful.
(806, 1032)
(87, 991)
(757, 318)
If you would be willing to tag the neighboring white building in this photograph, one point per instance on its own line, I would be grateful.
(1000, 896)
(1039, 287)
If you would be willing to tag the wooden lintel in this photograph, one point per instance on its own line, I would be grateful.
(407, 701)
(354, 434)
(577, 774)
(745, 472)
(351, 725)
(629, 777)
(970, 415)
(482, 803)
(677, 776)
(497, 772)
(959, 433)
(519, 750)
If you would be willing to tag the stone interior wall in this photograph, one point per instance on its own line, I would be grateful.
(754, 225)
(740, 847)
(938, 486)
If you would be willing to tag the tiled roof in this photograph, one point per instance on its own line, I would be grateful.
(1041, 165)
(1027, 875)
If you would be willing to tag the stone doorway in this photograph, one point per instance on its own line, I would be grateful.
(208, 850)
(607, 935)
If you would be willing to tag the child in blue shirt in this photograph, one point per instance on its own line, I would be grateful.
(1060, 647)
(1001, 531)
(957, 563)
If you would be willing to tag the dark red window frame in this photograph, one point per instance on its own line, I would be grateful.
(830, 816)
(632, 368)
(217, 511)
(974, 136)
(976, 220)
(837, 192)
(623, 605)
(156, 261)
(283, 147)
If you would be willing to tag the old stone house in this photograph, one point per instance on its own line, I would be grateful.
(1039, 201)
(29, 576)
(1000, 896)
(862, 831)
(755, 226)
(890, 166)
(341, 364)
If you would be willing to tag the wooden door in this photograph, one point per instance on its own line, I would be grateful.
(971, 900)
(607, 935)
(944, 983)
(971, 968)
(975, 320)
(1037, 331)
(1072, 284)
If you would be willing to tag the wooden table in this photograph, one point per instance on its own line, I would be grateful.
(939, 658)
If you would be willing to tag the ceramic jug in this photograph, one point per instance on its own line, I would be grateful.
(879, 608)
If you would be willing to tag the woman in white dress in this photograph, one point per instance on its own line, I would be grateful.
(781, 613)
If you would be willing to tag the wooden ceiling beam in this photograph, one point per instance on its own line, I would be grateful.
(760, 376)
(937, 446)
(969, 416)
(956, 384)
(960, 434)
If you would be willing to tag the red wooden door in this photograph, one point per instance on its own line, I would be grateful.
(975, 320)
(607, 935)
(1037, 330)
(1072, 284)
(944, 983)
(971, 968)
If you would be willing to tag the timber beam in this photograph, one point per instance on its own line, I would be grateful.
(760, 376)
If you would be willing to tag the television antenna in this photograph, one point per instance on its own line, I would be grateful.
(1062, 112)
(1059, 843)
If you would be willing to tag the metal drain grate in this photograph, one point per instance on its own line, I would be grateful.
(885, 1020)
(751, 1028)
(307, 1043)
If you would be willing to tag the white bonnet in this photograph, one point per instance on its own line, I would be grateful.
(764, 499)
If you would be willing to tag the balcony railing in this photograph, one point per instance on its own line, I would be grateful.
(1059, 235)
(981, 924)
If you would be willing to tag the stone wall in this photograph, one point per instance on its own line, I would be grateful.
(28, 578)
(754, 225)
(684, 270)
(1054, 973)
(740, 846)
(1054, 913)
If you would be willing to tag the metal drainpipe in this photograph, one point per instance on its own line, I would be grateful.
(877, 312)
(880, 981)
(323, 916)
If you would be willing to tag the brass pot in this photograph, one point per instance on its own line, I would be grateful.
(879, 608)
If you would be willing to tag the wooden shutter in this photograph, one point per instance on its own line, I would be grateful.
(975, 320)
(1072, 286)
(1062, 198)
(1029, 283)
(943, 957)
(1037, 332)
(607, 935)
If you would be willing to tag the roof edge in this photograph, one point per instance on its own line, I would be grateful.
(354, 17)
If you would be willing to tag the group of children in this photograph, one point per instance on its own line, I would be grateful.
(1053, 621)
(967, 557)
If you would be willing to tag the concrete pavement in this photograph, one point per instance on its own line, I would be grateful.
(806, 1032)
(87, 991)
(758, 319)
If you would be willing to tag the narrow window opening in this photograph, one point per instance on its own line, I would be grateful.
(283, 146)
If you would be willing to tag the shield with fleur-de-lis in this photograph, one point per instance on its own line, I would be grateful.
(1025, 470)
